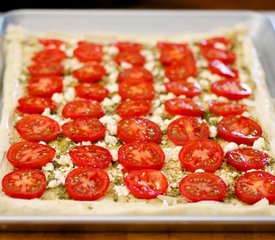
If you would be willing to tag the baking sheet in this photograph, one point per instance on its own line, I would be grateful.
(160, 22)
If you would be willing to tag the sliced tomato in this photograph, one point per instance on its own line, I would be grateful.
(136, 90)
(141, 155)
(37, 128)
(82, 109)
(89, 73)
(254, 186)
(80, 130)
(51, 42)
(188, 89)
(226, 108)
(91, 156)
(181, 71)
(133, 108)
(88, 52)
(49, 55)
(201, 154)
(213, 41)
(87, 184)
(46, 69)
(24, 183)
(128, 46)
(231, 89)
(211, 53)
(135, 74)
(146, 184)
(45, 86)
(93, 91)
(35, 104)
(244, 159)
(183, 106)
(218, 67)
(186, 129)
(138, 129)
(133, 58)
(203, 187)
(239, 129)
(30, 155)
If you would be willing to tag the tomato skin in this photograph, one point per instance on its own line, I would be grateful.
(183, 106)
(89, 73)
(30, 155)
(133, 108)
(146, 184)
(46, 69)
(244, 159)
(133, 58)
(211, 53)
(218, 67)
(253, 186)
(201, 154)
(128, 46)
(77, 180)
(226, 108)
(36, 128)
(138, 129)
(232, 90)
(141, 155)
(34, 186)
(82, 109)
(51, 43)
(88, 52)
(183, 88)
(91, 156)
(35, 105)
(49, 55)
(186, 129)
(181, 71)
(80, 130)
(239, 129)
(135, 74)
(93, 91)
(197, 187)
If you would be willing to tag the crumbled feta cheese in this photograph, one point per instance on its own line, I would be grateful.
(48, 167)
(149, 66)
(46, 112)
(259, 144)
(69, 95)
(219, 46)
(160, 87)
(112, 87)
(69, 52)
(68, 80)
(110, 140)
(64, 160)
(230, 146)
(110, 122)
(121, 190)
(85, 143)
(252, 170)
(53, 184)
(116, 99)
(107, 102)
(101, 144)
(213, 131)
(204, 84)
(42, 142)
(159, 121)
(209, 97)
(160, 110)
(113, 76)
(227, 176)
(114, 154)
(172, 153)
(207, 75)
(125, 65)
(58, 97)
(202, 63)
(147, 54)
(110, 50)
(199, 170)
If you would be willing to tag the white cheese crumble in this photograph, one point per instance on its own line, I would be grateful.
(113, 76)
(58, 98)
(204, 84)
(69, 94)
(259, 144)
(199, 170)
(125, 65)
(114, 154)
(213, 131)
(230, 146)
(110, 121)
(112, 87)
(121, 190)
(172, 153)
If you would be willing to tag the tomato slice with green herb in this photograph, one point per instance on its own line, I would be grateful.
(89, 73)
(86, 184)
(49, 55)
(251, 187)
(141, 155)
(239, 129)
(133, 58)
(24, 183)
(46, 69)
(93, 91)
(181, 71)
(30, 155)
(218, 67)
(226, 108)
(203, 186)
(189, 89)
(146, 184)
(88, 52)
(128, 46)
(91, 156)
(51, 42)
(201, 154)
(35, 104)
(135, 74)
(133, 108)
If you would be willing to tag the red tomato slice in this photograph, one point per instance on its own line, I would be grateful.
(135, 74)
(230, 89)
(183, 106)
(45, 86)
(183, 88)
(186, 129)
(133, 58)
(89, 73)
(46, 69)
(35, 104)
(80, 130)
(128, 46)
(218, 67)
(136, 90)
(181, 71)
(203, 187)
(141, 155)
(239, 129)
(254, 186)
(244, 159)
(201, 154)
(49, 55)
(24, 183)
(30, 155)
(87, 184)
(212, 53)
(226, 108)
(146, 184)
(37, 128)
(212, 41)
(88, 52)
(93, 91)
(91, 156)
(51, 43)
(133, 108)
(82, 109)
(138, 129)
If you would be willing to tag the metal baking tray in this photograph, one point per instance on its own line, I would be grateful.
(160, 22)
